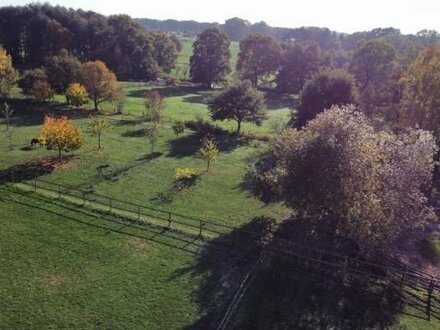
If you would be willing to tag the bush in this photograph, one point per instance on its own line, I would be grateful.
(77, 94)
(178, 127)
(42, 91)
(185, 177)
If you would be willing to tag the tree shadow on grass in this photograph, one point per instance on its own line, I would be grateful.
(169, 91)
(188, 145)
(137, 133)
(32, 169)
(222, 264)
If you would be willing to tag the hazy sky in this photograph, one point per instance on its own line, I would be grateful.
(341, 15)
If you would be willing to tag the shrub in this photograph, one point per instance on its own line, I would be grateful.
(77, 94)
(42, 91)
(178, 127)
(185, 177)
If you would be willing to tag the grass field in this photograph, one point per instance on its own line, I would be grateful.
(69, 267)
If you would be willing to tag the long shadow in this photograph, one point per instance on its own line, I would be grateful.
(30, 113)
(108, 221)
(29, 170)
(188, 145)
(169, 91)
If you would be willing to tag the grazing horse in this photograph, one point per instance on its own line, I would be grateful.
(35, 141)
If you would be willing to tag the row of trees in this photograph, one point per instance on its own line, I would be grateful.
(65, 74)
(36, 31)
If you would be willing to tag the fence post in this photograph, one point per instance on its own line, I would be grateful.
(169, 219)
(428, 304)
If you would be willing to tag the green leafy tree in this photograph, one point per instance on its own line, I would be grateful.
(29, 77)
(178, 127)
(241, 103)
(259, 56)
(299, 61)
(62, 70)
(165, 52)
(97, 127)
(209, 62)
(348, 180)
(208, 151)
(373, 64)
(326, 88)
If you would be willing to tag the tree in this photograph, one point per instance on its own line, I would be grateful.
(154, 104)
(60, 134)
(8, 112)
(42, 91)
(8, 75)
(177, 42)
(77, 94)
(343, 178)
(152, 134)
(236, 28)
(62, 70)
(299, 61)
(97, 127)
(29, 77)
(210, 59)
(241, 103)
(373, 65)
(420, 106)
(208, 151)
(165, 52)
(99, 81)
(259, 56)
(178, 127)
(323, 90)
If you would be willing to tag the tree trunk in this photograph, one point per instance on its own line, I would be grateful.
(208, 163)
(99, 141)
(95, 101)
(238, 126)
(59, 154)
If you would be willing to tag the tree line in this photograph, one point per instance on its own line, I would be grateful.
(36, 31)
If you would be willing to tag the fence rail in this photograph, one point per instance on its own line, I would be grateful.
(416, 288)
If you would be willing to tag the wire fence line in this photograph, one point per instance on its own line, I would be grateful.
(415, 288)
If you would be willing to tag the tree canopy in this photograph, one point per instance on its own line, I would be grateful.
(343, 177)
(210, 59)
(259, 56)
(241, 103)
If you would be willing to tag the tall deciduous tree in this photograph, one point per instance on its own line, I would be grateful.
(29, 77)
(323, 90)
(259, 56)
(210, 59)
(8, 75)
(241, 103)
(165, 51)
(346, 179)
(60, 134)
(62, 70)
(100, 82)
(373, 65)
(299, 61)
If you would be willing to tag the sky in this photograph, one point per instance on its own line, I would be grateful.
(348, 16)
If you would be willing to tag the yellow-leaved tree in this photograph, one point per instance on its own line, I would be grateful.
(208, 151)
(8, 75)
(77, 94)
(60, 134)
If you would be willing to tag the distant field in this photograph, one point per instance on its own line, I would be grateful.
(185, 54)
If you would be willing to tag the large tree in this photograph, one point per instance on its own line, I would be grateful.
(210, 59)
(345, 179)
(373, 65)
(259, 56)
(299, 61)
(324, 89)
(241, 103)
(165, 51)
(8, 75)
(100, 82)
(62, 70)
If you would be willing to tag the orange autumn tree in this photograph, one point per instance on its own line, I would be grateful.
(60, 134)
